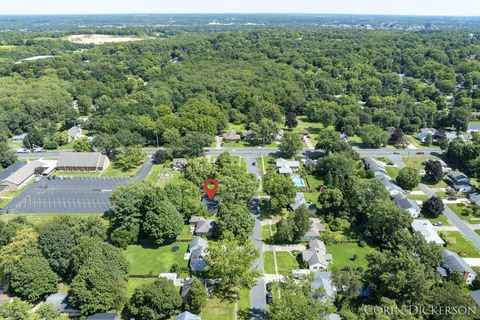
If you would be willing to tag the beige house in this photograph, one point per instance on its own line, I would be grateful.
(83, 162)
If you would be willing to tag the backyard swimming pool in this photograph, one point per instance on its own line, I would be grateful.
(298, 181)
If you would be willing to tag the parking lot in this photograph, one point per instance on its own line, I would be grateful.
(76, 195)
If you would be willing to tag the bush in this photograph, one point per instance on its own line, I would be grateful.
(122, 237)
(362, 243)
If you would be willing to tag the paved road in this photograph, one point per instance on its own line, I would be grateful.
(452, 216)
(258, 292)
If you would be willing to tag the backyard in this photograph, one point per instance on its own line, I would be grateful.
(151, 261)
(161, 174)
(343, 254)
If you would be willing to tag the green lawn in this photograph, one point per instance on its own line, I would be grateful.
(111, 171)
(244, 302)
(343, 253)
(153, 261)
(265, 232)
(392, 171)
(161, 174)
(418, 197)
(134, 283)
(41, 218)
(417, 162)
(458, 209)
(218, 310)
(263, 165)
(442, 218)
(286, 262)
(459, 244)
(186, 234)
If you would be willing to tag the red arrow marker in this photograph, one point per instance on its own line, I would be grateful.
(210, 186)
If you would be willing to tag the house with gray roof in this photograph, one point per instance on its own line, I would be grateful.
(315, 228)
(187, 316)
(475, 295)
(179, 163)
(372, 164)
(323, 280)
(82, 162)
(103, 316)
(197, 250)
(204, 227)
(19, 138)
(298, 201)
(186, 289)
(460, 182)
(426, 229)
(424, 132)
(452, 262)
(287, 167)
(408, 205)
(316, 257)
(74, 133)
(391, 187)
(231, 136)
(16, 179)
(62, 304)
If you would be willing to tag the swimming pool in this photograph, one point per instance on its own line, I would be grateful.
(298, 181)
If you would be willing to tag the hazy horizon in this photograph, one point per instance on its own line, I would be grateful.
(465, 8)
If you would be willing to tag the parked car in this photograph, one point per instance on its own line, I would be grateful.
(437, 224)
(23, 150)
(420, 152)
(37, 179)
(452, 198)
(396, 152)
(36, 150)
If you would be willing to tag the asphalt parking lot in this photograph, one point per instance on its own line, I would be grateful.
(77, 195)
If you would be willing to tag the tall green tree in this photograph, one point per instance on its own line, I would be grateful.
(290, 144)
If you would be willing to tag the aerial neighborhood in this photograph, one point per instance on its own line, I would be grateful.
(257, 167)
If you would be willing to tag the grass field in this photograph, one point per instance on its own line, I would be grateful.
(186, 234)
(460, 244)
(41, 218)
(218, 310)
(417, 162)
(392, 171)
(286, 262)
(153, 261)
(343, 255)
(111, 171)
(418, 197)
(160, 175)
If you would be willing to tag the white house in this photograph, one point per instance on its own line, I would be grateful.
(316, 256)
(408, 205)
(425, 228)
(287, 166)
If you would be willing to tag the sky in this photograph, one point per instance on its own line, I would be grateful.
(395, 7)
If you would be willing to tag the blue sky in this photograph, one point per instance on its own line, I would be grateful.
(407, 7)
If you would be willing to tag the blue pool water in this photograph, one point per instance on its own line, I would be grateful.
(298, 181)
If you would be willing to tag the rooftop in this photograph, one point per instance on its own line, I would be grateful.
(426, 229)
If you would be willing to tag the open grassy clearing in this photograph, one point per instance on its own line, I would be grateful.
(111, 171)
(154, 260)
(417, 162)
(161, 174)
(392, 171)
(286, 262)
(458, 243)
(343, 255)
(218, 310)
(41, 218)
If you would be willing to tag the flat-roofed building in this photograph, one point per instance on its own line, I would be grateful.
(82, 161)
(20, 177)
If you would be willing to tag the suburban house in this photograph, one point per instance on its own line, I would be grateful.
(460, 182)
(316, 257)
(373, 165)
(187, 316)
(425, 228)
(74, 133)
(299, 201)
(475, 198)
(204, 227)
(187, 285)
(18, 178)
(323, 280)
(424, 132)
(475, 295)
(452, 262)
(304, 134)
(61, 303)
(287, 166)
(103, 316)
(19, 138)
(231, 136)
(197, 250)
(279, 135)
(315, 229)
(391, 187)
(179, 163)
(310, 164)
(82, 162)
(210, 205)
(408, 205)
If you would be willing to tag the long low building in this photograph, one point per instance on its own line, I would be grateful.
(20, 177)
(82, 161)
(425, 228)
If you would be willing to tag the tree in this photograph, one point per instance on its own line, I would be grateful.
(329, 141)
(84, 104)
(16, 309)
(235, 218)
(290, 144)
(32, 278)
(433, 171)
(197, 296)
(433, 207)
(161, 156)
(429, 140)
(299, 301)
(56, 241)
(230, 261)
(292, 228)
(397, 137)
(408, 178)
(192, 145)
(337, 169)
(155, 301)
(280, 189)
(82, 145)
(130, 158)
(459, 118)
(263, 132)
(7, 155)
(372, 136)
(236, 188)
(291, 120)
(162, 221)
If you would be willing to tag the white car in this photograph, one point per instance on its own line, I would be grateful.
(38, 150)
(22, 150)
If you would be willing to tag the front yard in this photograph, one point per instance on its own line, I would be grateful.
(458, 243)
(152, 261)
(286, 262)
(459, 209)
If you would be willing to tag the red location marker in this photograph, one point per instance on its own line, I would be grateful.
(210, 186)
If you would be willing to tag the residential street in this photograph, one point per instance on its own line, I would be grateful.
(258, 292)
